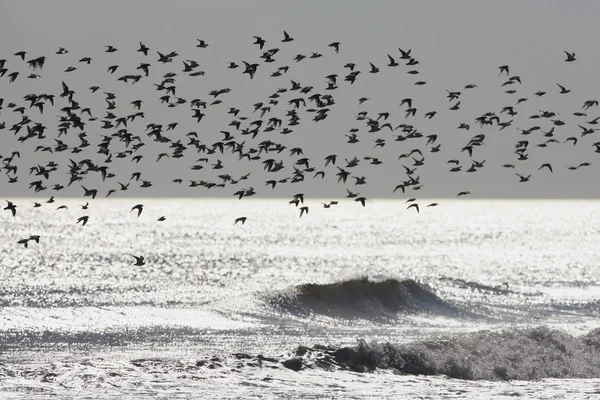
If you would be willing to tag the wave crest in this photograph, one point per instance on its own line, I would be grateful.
(362, 298)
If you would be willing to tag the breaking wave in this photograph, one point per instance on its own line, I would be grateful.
(522, 354)
(362, 298)
(519, 354)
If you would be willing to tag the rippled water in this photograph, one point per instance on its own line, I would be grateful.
(472, 299)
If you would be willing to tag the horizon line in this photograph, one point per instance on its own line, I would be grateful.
(253, 198)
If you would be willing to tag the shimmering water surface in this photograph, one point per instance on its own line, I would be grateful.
(471, 299)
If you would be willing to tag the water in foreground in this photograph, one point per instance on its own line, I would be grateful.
(473, 299)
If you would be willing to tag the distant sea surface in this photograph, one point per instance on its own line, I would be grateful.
(470, 299)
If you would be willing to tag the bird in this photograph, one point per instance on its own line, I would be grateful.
(143, 49)
(25, 242)
(405, 55)
(91, 192)
(139, 260)
(240, 219)
(523, 178)
(303, 210)
(259, 41)
(570, 56)
(198, 115)
(546, 165)
(563, 90)
(415, 206)
(374, 69)
(331, 203)
(13, 76)
(11, 207)
(139, 208)
(83, 220)
(286, 37)
(336, 46)
(361, 200)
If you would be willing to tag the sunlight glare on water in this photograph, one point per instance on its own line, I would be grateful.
(76, 313)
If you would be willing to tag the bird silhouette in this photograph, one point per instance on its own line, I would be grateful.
(10, 206)
(570, 56)
(139, 208)
(139, 260)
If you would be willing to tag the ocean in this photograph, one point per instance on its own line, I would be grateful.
(472, 299)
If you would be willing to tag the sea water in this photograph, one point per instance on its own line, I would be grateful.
(469, 299)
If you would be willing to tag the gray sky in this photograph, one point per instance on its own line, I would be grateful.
(456, 43)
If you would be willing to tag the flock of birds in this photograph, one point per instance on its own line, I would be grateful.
(245, 136)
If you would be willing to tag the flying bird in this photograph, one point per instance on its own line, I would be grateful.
(139, 208)
(10, 206)
(415, 206)
(336, 46)
(139, 260)
(546, 165)
(570, 56)
(286, 37)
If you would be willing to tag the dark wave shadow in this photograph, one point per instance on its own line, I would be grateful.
(362, 298)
